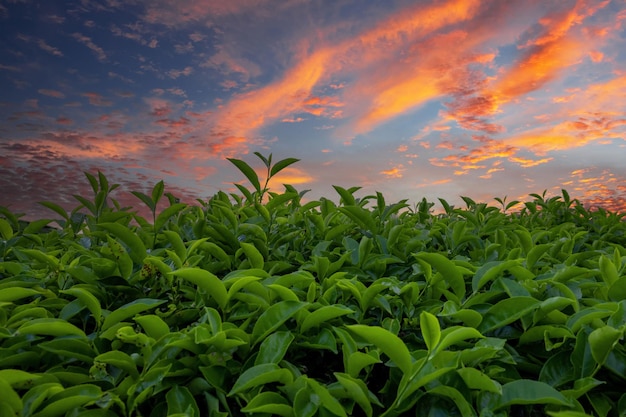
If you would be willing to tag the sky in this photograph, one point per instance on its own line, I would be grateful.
(412, 98)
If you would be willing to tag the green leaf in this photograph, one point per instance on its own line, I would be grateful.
(327, 400)
(457, 398)
(453, 335)
(386, 341)
(93, 181)
(359, 360)
(280, 165)
(608, 270)
(56, 208)
(274, 347)
(137, 250)
(269, 403)
(50, 327)
(346, 195)
(166, 214)
(356, 390)
(322, 315)
(18, 378)
(267, 161)
(602, 340)
(252, 253)
(157, 192)
(362, 217)
(70, 347)
(448, 270)
(146, 200)
(88, 299)
(6, 231)
(274, 317)
(153, 325)
(10, 403)
(17, 293)
(306, 402)
(120, 360)
(68, 399)
(431, 331)
(475, 379)
(129, 310)
(180, 401)
(262, 374)
(507, 311)
(490, 271)
(526, 391)
(207, 281)
(248, 172)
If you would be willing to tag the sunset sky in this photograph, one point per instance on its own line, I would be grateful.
(412, 98)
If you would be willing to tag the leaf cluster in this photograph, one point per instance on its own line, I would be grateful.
(249, 307)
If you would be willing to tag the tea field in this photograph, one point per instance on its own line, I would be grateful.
(268, 304)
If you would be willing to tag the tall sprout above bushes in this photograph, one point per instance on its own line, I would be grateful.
(252, 176)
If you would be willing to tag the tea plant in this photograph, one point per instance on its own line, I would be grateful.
(260, 305)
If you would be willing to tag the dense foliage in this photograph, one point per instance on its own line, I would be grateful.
(261, 305)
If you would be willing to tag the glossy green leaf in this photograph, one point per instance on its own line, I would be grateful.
(129, 310)
(69, 398)
(137, 249)
(50, 327)
(464, 407)
(181, 401)
(6, 231)
(357, 391)
(146, 200)
(177, 243)
(270, 403)
(453, 335)
(70, 348)
(387, 342)
(526, 391)
(323, 314)
(10, 402)
(490, 271)
(602, 341)
(261, 374)
(431, 331)
(306, 402)
(17, 293)
(507, 311)
(153, 325)
(206, 281)
(280, 165)
(274, 347)
(120, 360)
(608, 270)
(88, 299)
(167, 214)
(359, 360)
(327, 400)
(274, 317)
(56, 208)
(477, 380)
(448, 270)
(248, 172)
(252, 253)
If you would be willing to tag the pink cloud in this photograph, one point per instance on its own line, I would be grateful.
(51, 93)
(85, 40)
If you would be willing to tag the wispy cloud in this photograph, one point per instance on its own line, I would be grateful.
(51, 93)
(174, 73)
(85, 40)
(42, 44)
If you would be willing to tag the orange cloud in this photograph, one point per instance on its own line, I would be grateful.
(290, 175)
(395, 172)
